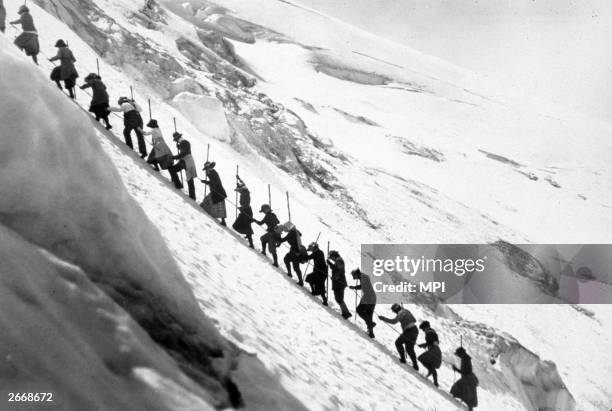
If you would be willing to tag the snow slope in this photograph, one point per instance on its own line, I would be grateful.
(60, 193)
(320, 359)
(406, 149)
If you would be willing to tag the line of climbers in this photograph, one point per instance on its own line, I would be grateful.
(161, 157)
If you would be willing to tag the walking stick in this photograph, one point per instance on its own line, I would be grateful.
(356, 297)
(98, 66)
(288, 207)
(150, 116)
(237, 178)
(174, 120)
(327, 276)
(207, 155)
(269, 197)
(308, 265)
(132, 92)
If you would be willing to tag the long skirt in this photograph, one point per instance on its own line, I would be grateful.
(99, 110)
(465, 389)
(317, 281)
(216, 210)
(29, 43)
(432, 358)
(243, 222)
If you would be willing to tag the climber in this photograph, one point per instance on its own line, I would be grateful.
(28, 39)
(185, 162)
(2, 17)
(296, 252)
(367, 304)
(317, 278)
(432, 357)
(99, 101)
(270, 237)
(160, 155)
(245, 215)
(214, 202)
(409, 334)
(132, 120)
(336, 263)
(465, 387)
(67, 72)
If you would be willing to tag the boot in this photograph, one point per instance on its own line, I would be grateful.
(223, 222)
(345, 312)
(263, 247)
(250, 240)
(275, 259)
(59, 85)
(288, 267)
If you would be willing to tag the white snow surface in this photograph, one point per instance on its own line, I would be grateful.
(468, 197)
(90, 344)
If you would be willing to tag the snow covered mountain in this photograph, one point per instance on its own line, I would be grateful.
(374, 142)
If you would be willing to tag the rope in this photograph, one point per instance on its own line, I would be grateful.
(235, 204)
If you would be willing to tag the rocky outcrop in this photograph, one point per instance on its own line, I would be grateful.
(114, 43)
(206, 113)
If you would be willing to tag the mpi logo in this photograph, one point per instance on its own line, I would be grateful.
(498, 273)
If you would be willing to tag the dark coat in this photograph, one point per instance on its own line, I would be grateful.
(67, 60)
(338, 274)
(245, 217)
(431, 338)
(26, 21)
(465, 387)
(28, 40)
(216, 188)
(319, 263)
(292, 238)
(270, 220)
(100, 95)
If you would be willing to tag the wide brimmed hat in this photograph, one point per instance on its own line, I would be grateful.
(313, 246)
(424, 325)
(459, 352)
(152, 124)
(209, 165)
(176, 135)
(334, 254)
(264, 208)
(60, 43)
(23, 9)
